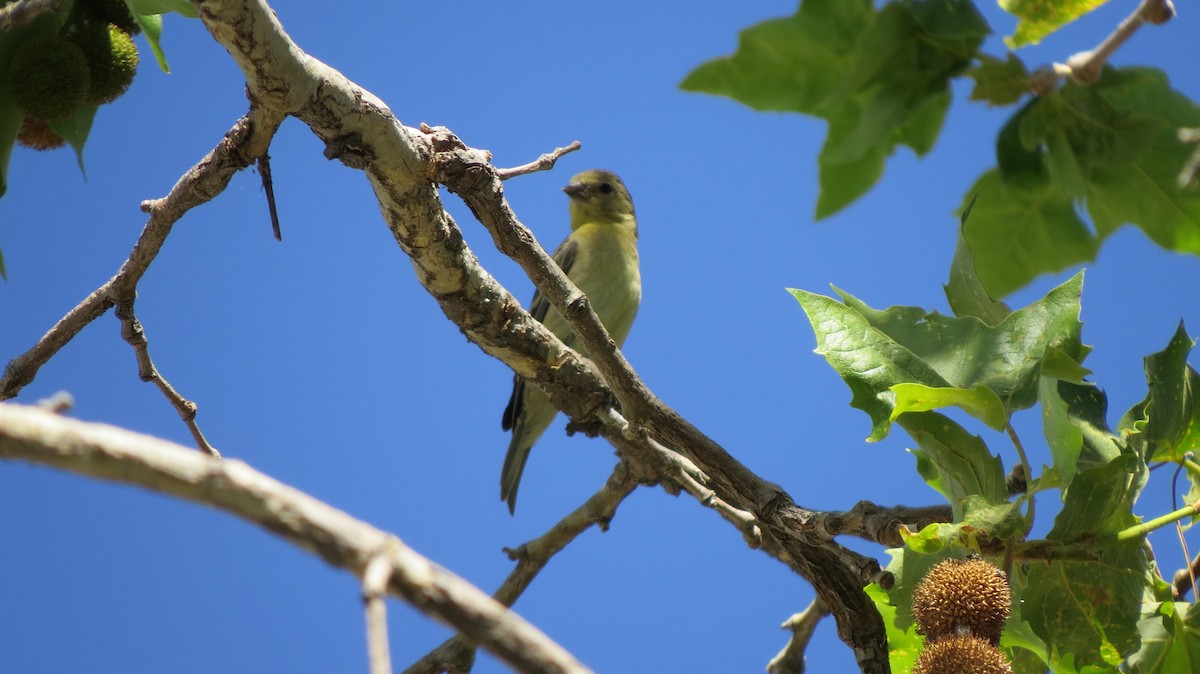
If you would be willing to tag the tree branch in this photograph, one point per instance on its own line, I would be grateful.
(457, 654)
(100, 451)
(1085, 67)
(248, 139)
(791, 659)
(402, 165)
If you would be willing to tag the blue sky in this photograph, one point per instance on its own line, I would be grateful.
(321, 361)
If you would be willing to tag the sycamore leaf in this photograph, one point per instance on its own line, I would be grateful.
(1170, 637)
(873, 350)
(1112, 147)
(1019, 232)
(964, 291)
(1073, 420)
(903, 642)
(1039, 18)
(999, 82)
(879, 77)
(903, 645)
(980, 402)
(1170, 413)
(956, 463)
(1089, 608)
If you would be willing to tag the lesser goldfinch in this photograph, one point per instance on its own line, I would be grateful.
(600, 257)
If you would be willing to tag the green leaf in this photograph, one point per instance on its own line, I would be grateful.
(964, 292)
(903, 643)
(1039, 18)
(1170, 640)
(1086, 611)
(980, 402)
(1135, 181)
(999, 82)
(959, 463)
(1019, 232)
(1111, 146)
(152, 28)
(868, 360)
(880, 78)
(148, 7)
(75, 129)
(1073, 418)
(874, 350)
(3, 274)
(1171, 415)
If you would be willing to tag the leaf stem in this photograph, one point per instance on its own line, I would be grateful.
(1140, 530)
(1012, 434)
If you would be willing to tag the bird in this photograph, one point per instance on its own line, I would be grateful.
(600, 257)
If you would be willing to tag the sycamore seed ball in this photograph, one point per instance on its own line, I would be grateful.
(37, 134)
(112, 60)
(48, 77)
(962, 597)
(961, 655)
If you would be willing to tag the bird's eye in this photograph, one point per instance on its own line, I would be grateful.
(606, 188)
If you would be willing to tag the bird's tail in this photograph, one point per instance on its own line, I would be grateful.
(510, 475)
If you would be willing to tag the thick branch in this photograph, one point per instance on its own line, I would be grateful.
(402, 165)
(96, 450)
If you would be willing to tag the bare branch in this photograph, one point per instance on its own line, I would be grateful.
(457, 654)
(542, 163)
(791, 659)
(374, 583)
(132, 332)
(100, 451)
(878, 523)
(248, 138)
(1085, 67)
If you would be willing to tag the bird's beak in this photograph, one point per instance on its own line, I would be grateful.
(574, 190)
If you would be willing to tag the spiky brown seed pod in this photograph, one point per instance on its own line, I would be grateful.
(48, 77)
(112, 60)
(37, 134)
(962, 596)
(961, 655)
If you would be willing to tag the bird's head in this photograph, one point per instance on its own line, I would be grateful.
(599, 196)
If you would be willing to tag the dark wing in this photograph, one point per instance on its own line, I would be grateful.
(564, 257)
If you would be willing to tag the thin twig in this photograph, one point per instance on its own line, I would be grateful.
(683, 472)
(1185, 579)
(101, 451)
(374, 585)
(248, 138)
(457, 654)
(542, 163)
(1085, 67)
(790, 660)
(133, 333)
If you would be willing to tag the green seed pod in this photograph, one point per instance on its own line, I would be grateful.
(48, 77)
(112, 60)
